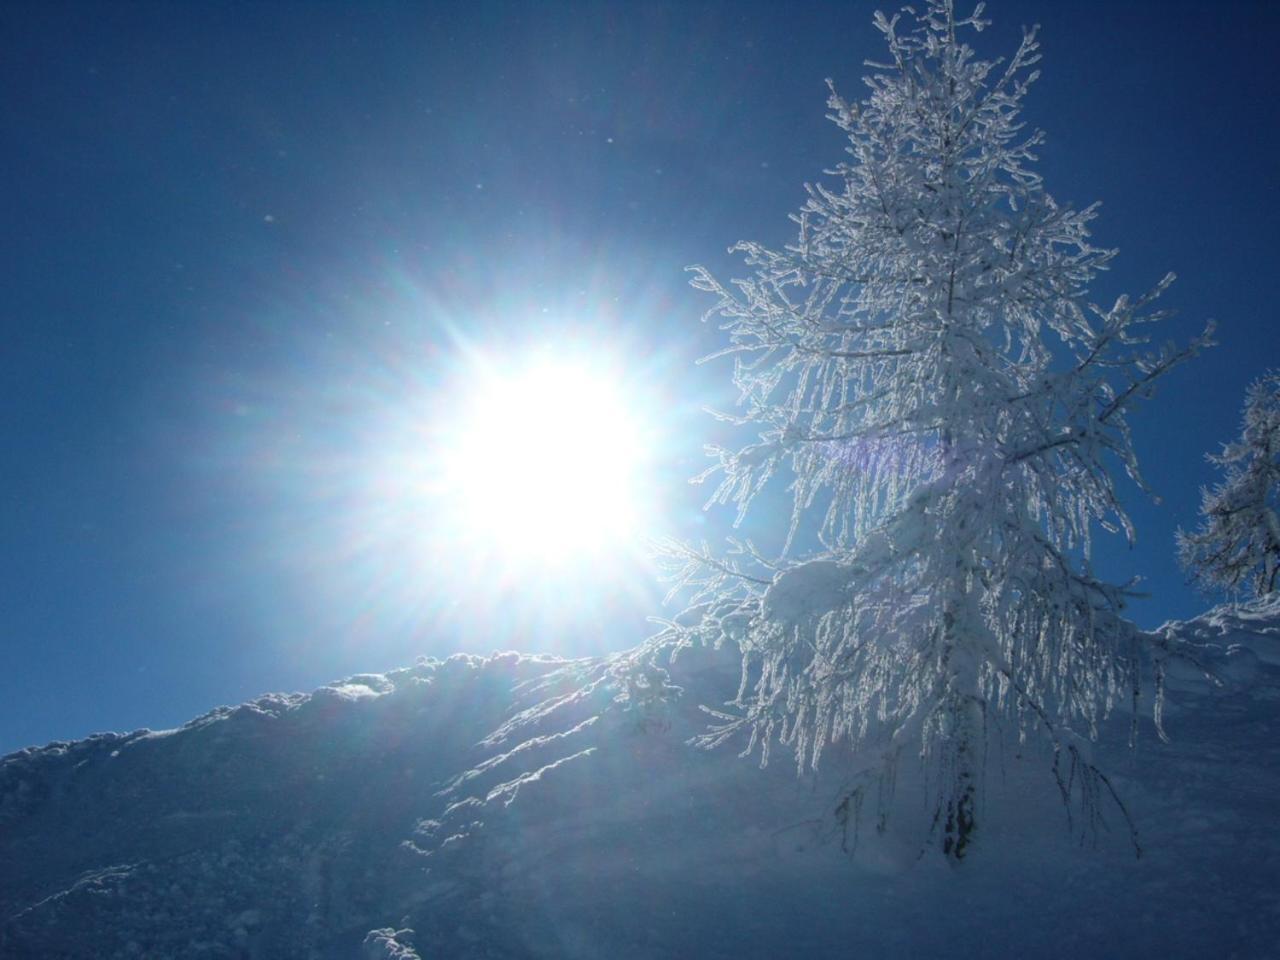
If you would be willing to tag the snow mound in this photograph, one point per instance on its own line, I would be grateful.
(530, 807)
(806, 593)
(1253, 628)
(388, 944)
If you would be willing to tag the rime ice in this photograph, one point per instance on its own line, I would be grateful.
(925, 366)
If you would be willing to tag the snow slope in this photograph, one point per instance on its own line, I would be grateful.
(519, 806)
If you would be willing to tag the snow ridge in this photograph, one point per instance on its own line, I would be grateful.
(532, 807)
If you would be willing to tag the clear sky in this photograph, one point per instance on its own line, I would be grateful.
(253, 254)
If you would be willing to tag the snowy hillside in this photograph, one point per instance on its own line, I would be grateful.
(530, 807)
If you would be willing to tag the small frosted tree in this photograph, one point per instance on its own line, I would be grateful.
(924, 364)
(1237, 546)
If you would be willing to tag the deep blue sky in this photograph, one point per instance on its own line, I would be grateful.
(243, 243)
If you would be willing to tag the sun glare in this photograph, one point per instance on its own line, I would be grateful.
(546, 462)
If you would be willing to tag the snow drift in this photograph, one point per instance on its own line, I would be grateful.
(521, 806)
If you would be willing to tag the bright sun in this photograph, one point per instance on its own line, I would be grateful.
(546, 462)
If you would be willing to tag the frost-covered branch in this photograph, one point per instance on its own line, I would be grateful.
(1238, 542)
(924, 365)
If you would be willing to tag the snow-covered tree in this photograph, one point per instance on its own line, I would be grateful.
(1238, 543)
(924, 363)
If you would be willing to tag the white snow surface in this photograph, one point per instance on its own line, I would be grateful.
(806, 593)
(518, 806)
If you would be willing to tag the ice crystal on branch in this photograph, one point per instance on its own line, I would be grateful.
(924, 363)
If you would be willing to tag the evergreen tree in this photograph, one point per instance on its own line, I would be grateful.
(1238, 543)
(925, 365)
